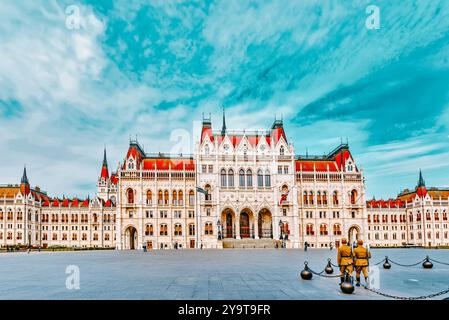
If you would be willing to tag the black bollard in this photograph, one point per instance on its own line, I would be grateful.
(427, 264)
(387, 264)
(329, 269)
(306, 274)
(347, 287)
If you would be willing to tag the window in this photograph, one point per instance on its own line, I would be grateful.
(203, 168)
(337, 229)
(130, 195)
(160, 197)
(211, 168)
(353, 196)
(149, 230)
(279, 169)
(149, 197)
(191, 229)
(249, 178)
(282, 151)
(323, 229)
(259, 179)
(175, 198)
(95, 236)
(208, 229)
(178, 230)
(206, 151)
(305, 199)
(311, 197)
(166, 197)
(242, 178)
(335, 198)
(74, 237)
(163, 230)
(309, 230)
(285, 169)
(191, 198)
(267, 179)
(180, 198)
(208, 196)
(223, 178)
(231, 178)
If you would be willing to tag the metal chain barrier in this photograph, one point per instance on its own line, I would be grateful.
(406, 265)
(433, 295)
(436, 261)
(320, 274)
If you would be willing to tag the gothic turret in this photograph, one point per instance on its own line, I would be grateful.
(223, 127)
(421, 190)
(24, 183)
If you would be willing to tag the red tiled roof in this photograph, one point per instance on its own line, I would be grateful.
(166, 164)
(319, 165)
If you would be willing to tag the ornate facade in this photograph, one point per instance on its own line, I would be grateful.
(239, 187)
(416, 217)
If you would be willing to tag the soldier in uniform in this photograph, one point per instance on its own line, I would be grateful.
(345, 259)
(362, 256)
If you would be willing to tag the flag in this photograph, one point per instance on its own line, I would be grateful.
(283, 197)
(198, 189)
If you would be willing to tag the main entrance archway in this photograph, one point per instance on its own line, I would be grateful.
(353, 234)
(246, 223)
(227, 218)
(265, 224)
(130, 238)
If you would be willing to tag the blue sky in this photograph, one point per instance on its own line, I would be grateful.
(152, 68)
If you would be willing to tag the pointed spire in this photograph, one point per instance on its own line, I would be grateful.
(24, 176)
(104, 168)
(223, 128)
(105, 161)
(421, 182)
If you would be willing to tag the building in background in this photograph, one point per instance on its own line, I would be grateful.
(240, 188)
(414, 218)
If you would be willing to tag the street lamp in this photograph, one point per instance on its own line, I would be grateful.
(280, 229)
(219, 229)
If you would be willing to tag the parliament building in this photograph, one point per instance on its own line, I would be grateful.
(240, 189)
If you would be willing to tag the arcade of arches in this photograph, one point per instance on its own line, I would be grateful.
(246, 224)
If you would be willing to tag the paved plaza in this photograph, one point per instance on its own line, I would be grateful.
(206, 274)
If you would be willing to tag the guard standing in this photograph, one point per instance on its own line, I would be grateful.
(362, 256)
(345, 259)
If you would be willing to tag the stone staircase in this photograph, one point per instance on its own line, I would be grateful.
(250, 243)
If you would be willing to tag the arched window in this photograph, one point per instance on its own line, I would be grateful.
(130, 195)
(318, 198)
(311, 197)
(249, 178)
(166, 197)
(242, 178)
(160, 198)
(149, 230)
(324, 200)
(178, 230)
(259, 179)
(175, 198)
(267, 179)
(180, 198)
(163, 230)
(337, 229)
(309, 229)
(282, 151)
(191, 198)
(304, 198)
(323, 229)
(231, 178)
(149, 197)
(353, 196)
(206, 150)
(209, 192)
(223, 178)
(335, 198)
